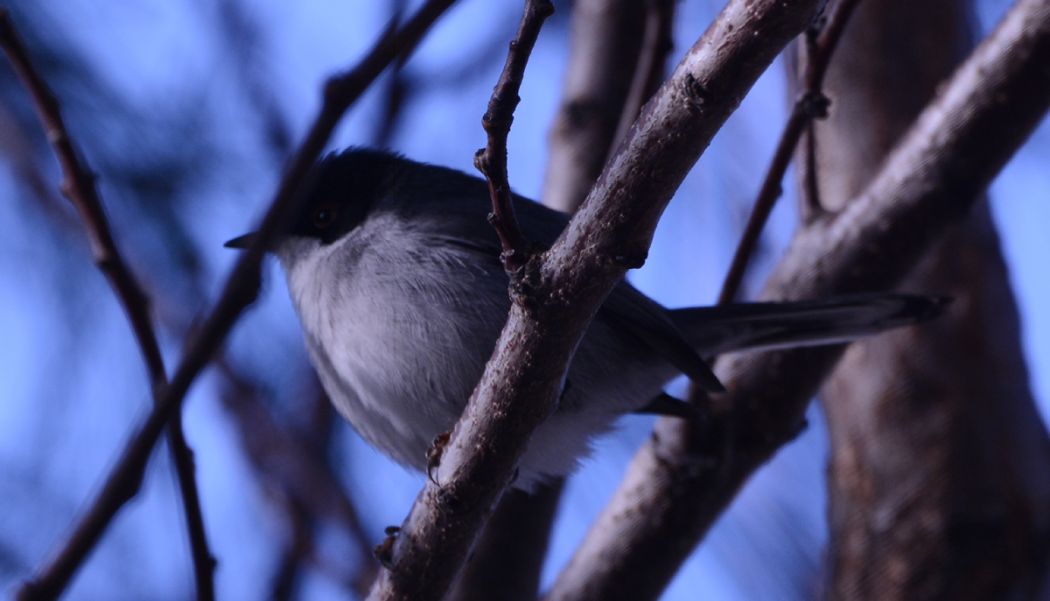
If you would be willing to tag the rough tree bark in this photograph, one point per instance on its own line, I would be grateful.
(610, 51)
(939, 480)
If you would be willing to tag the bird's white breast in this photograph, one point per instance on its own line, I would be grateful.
(397, 343)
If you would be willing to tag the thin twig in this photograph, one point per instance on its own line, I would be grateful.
(810, 105)
(492, 160)
(239, 291)
(78, 186)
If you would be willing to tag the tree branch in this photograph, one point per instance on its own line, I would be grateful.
(301, 472)
(811, 104)
(610, 233)
(78, 186)
(507, 560)
(651, 66)
(683, 478)
(939, 476)
(606, 35)
(239, 291)
(492, 160)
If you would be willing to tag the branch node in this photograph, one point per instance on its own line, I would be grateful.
(491, 161)
(814, 104)
(696, 94)
(434, 453)
(630, 261)
(384, 551)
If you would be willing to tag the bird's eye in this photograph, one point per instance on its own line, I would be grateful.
(324, 217)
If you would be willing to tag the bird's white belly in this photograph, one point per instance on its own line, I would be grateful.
(400, 359)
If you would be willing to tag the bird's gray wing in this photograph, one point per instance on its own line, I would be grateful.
(650, 323)
(626, 309)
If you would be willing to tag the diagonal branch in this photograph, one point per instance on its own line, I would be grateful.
(939, 470)
(239, 291)
(610, 233)
(492, 160)
(682, 478)
(78, 186)
(508, 558)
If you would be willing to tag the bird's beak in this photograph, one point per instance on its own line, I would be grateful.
(241, 241)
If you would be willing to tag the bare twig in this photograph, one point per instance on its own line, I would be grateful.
(605, 36)
(610, 233)
(240, 289)
(682, 478)
(78, 186)
(492, 160)
(810, 105)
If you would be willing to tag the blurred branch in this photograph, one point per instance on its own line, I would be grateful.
(240, 290)
(397, 91)
(939, 476)
(657, 43)
(685, 475)
(241, 37)
(286, 581)
(78, 186)
(296, 467)
(507, 560)
(606, 36)
(18, 150)
(811, 104)
(610, 233)
(492, 160)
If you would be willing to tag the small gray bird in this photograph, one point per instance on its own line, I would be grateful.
(395, 274)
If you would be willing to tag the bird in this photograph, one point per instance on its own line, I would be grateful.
(395, 275)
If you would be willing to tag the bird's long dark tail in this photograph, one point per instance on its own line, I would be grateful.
(714, 330)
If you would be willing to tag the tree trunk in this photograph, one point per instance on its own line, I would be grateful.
(939, 480)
